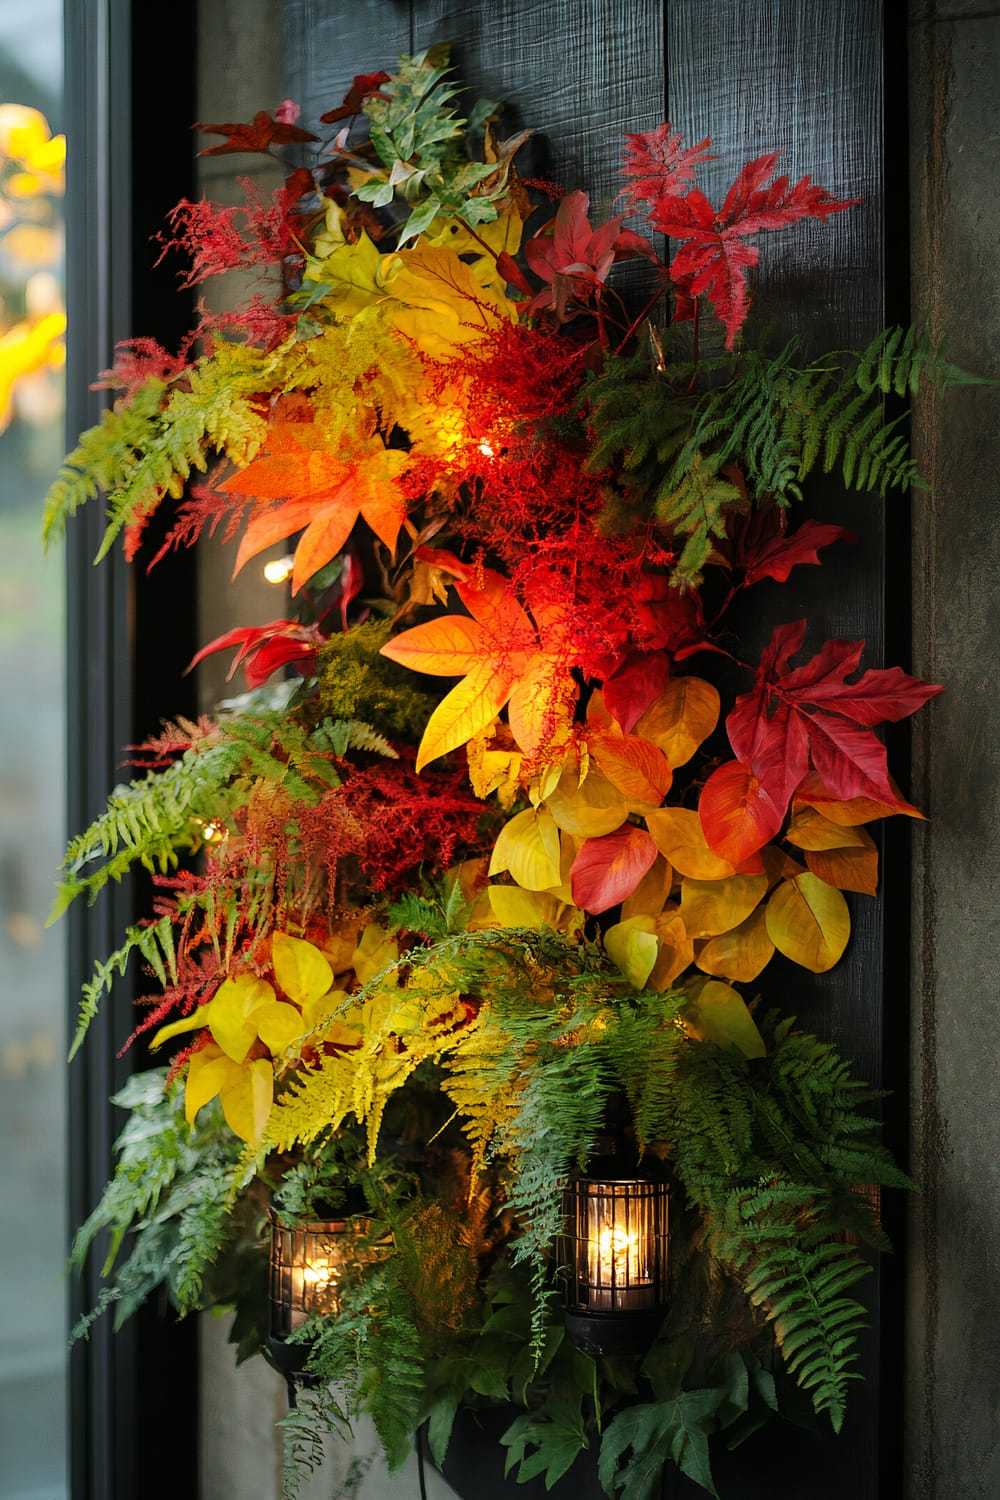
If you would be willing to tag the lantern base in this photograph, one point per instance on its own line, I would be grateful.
(289, 1360)
(613, 1333)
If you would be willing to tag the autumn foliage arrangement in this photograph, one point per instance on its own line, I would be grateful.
(506, 829)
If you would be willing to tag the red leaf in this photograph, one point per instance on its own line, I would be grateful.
(738, 816)
(761, 546)
(264, 648)
(363, 87)
(813, 713)
(512, 273)
(715, 257)
(630, 690)
(608, 869)
(258, 136)
(573, 259)
(658, 163)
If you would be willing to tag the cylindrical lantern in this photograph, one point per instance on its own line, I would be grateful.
(306, 1266)
(614, 1255)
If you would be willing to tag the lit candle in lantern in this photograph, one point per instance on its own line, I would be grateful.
(615, 1255)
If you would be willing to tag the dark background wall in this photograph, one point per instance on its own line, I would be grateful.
(952, 1356)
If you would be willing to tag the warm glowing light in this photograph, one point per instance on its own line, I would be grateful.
(487, 450)
(213, 831)
(319, 1274)
(279, 569)
(616, 1247)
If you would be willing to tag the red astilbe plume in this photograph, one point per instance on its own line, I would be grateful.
(140, 360)
(204, 510)
(257, 322)
(241, 236)
(412, 823)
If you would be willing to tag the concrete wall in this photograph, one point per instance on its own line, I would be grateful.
(953, 1355)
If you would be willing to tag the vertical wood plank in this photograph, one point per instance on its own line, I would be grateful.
(760, 75)
(326, 44)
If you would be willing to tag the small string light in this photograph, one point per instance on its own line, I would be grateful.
(487, 450)
(279, 569)
(214, 831)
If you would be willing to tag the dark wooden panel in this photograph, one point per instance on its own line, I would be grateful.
(327, 43)
(760, 75)
(756, 75)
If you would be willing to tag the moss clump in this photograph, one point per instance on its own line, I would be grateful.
(355, 682)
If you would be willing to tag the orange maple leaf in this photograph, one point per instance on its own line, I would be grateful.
(321, 490)
(496, 651)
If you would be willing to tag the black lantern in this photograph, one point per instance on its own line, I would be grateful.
(614, 1256)
(306, 1266)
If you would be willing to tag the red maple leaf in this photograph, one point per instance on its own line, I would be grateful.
(574, 260)
(659, 164)
(716, 255)
(363, 87)
(263, 132)
(760, 545)
(813, 714)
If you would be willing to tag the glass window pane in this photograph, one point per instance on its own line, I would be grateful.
(33, 1462)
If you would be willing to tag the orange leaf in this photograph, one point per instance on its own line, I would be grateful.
(679, 838)
(682, 717)
(634, 766)
(741, 953)
(737, 815)
(847, 869)
(446, 647)
(541, 705)
(324, 488)
(852, 811)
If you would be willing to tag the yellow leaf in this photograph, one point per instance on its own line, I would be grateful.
(439, 304)
(300, 968)
(847, 869)
(232, 1007)
(808, 921)
(246, 1101)
(198, 1018)
(468, 709)
(512, 907)
(682, 717)
(716, 1013)
(651, 893)
(316, 1010)
(208, 1071)
(633, 946)
(741, 953)
(375, 952)
(278, 1026)
(587, 808)
(713, 906)
(809, 829)
(678, 835)
(528, 847)
(676, 950)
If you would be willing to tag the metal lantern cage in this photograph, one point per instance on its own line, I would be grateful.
(307, 1263)
(614, 1255)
